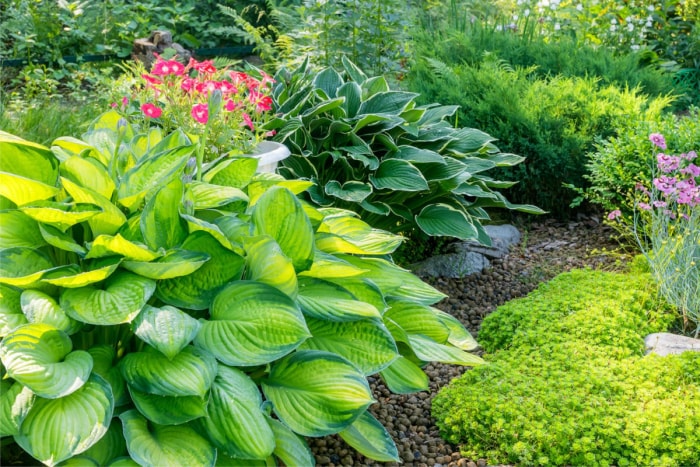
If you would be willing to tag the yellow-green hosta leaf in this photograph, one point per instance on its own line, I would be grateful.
(190, 373)
(72, 277)
(120, 299)
(266, 263)
(363, 289)
(68, 146)
(367, 344)
(111, 446)
(371, 439)
(234, 422)
(194, 225)
(169, 410)
(39, 307)
(39, 356)
(415, 318)
(88, 173)
(236, 173)
(252, 324)
(346, 234)
(161, 224)
(105, 361)
(157, 445)
(22, 267)
(124, 462)
(142, 143)
(430, 351)
(27, 159)
(167, 329)
(60, 240)
(207, 196)
(290, 448)
(405, 377)
(175, 263)
(22, 190)
(107, 245)
(226, 461)
(18, 229)
(11, 315)
(109, 220)
(326, 300)
(316, 393)
(459, 336)
(60, 215)
(56, 429)
(15, 402)
(261, 185)
(326, 266)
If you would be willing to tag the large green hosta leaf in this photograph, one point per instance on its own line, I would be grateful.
(316, 393)
(415, 318)
(364, 290)
(156, 445)
(111, 446)
(56, 429)
(105, 361)
(208, 196)
(443, 220)
(11, 315)
(405, 377)
(109, 220)
(167, 329)
(27, 159)
(430, 351)
(196, 291)
(326, 300)
(23, 190)
(22, 267)
(123, 296)
(39, 356)
(19, 230)
(346, 234)
(235, 423)
(236, 173)
(39, 307)
(72, 277)
(366, 343)
(371, 439)
(175, 263)
(459, 336)
(15, 402)
(279, 214)
(60, 215)
(61, 240)
(168, 410)
(326, 266)
(108, 245)
(252, 324)
(398, 175)
(290, 448)
(265, 262)
(88, 173)
(161, 224)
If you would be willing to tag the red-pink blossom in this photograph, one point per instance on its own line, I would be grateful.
(168, 67)
(248, 121)
(151, 79)
(206, 67)
(188, 84)
(200, 112)
(231, 106)
(151, 110)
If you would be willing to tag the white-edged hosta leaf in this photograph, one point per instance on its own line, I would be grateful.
(265, 262)
(161, 224)
(190, 373)
(252, 324)
(168, 410)
(22, 267)
(11, 315)
(60, 240)
(60, 215)
(167, 329)
(39, 356)
(235, 423)
(157, 445)
(430, 351)
(367, 344)
(104, 358)
(290, 448)
(195, 291)
(39, 307)
(459, 336)
(346, 234)
(405, 377)
(279, 214)
(18, 229)
(208, 196)
(72, 277)
(22, 190)
(326, 266)
(106, 222)
(352, 190)
(56, 429)
(15, 402)
(398, 175)
(108, 245)
(370, 438)
(175, 263)
(415, 318)
(316, 393)
(120, 299)
(88, 173)
(329, 301)
(111, 446)
(444, 220)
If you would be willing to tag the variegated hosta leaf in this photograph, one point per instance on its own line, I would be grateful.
(316, 393)
(125, 461)
(265, 181)
(326, 266)
(39, 356)
(371, 439)
(88, 173)
(18, 229)
(157, 445)
(168, 410)
(252, 324)
(60, 215)
(122, 298)
(459, 336)
(226, 461)
(235, 173)
(15, 402)
(111, 446)
(167, 329)
(61, 240)
(11, 316)
(195, 224)
(326, 300)
(161, 225)
(56, 429)
(27, 159)
(444, 220)
(23, 190)
(208, 196)
(105, 361)
(363, 289)
(190, 373)
(366, 343)
(405, 377)
(196, 291)
(279, 214)
(346, 234)
(175, 263)
(109, 220)
(71, 277)
(266, 263)
(39, 307)
(235, 423)
(290, 448)
(430, 351)
(22, 267)
(415, 318)
(108, 245)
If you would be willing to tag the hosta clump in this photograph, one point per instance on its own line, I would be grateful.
(154, 315)
(373, 150)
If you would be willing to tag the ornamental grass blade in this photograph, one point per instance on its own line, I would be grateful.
(371, 439)
(167, 329)
(405, 377)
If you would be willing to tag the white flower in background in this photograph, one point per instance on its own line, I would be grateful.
(557, 26)
(613, 28)
(499, 28)
(630, 27)
(526, 13)
(515, 17)
(634, 47)
(613, 21)
(648, 24)
(579, 7)
(650, 8)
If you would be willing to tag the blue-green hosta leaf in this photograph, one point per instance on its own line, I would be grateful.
(60, 215)
(120, 299)
(371, 439)
(279, 214)
(444, 220)
(326, 266)
(196, 291)
(316, 393)
(157, 445)
(208, 196)
(21, 190)
(351, 235)
(175, 263)
(39, 307)
(389, 102)
(111, 446)
(18, 229)
(353, 98)
(290, 448)
(27, 159)
(459, 336)
(190, 373)
(398, 175)
(265, 262)
(39, 356)
(169, 410)
(167, 329)
(419, 155)
(108, 245)
(235, 423)
(11, 315)
(326, 300)
(328, 80)
(72, 277)
(60, 240)
(236, 173)
(15, 402)
(450, 172)
(352, 191)
(22, 267)
(56, 429)
(415, 318)
(105, 361)
(252, 324)
(430, 351)
(367, 344)
(88, 173)
(468, 140)
(161, 224)
(405, 377)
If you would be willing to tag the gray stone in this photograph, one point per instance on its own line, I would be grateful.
(452, 265)
(502, 238)
(665, 343)
(144, 49)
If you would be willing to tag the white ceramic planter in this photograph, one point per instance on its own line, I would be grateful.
(269, 153)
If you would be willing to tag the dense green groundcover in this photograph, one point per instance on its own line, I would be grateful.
(568, 385)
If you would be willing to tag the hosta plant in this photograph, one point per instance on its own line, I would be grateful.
(373, 150)
(148, 317)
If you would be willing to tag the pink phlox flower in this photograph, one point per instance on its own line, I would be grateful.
(206, 67)
(207, 87)
(200, 112)
(247, 120)
(658, 140)
(690, 156)
(666, 185)
(639, 187)
(667, 163)
(660, 204)
(692, 170)
(152, 80)
(261, 101)
(188, 84)
(125, 102)
(151, 110)
(227, 88)
(168, 67)
(238, 77)
(265, 79)
(114, 105)
(644, 206)
(669, 213)
(614, 214)
(231, 106)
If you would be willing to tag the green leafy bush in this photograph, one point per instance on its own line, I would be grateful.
(370, 149)
(567, 385)
(187, 318)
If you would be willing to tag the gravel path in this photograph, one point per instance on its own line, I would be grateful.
(548, 248)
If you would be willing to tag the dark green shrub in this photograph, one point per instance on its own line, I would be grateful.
(567, 384)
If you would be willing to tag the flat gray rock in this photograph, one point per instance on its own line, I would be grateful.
(502, 238)
(665, 343)
(452, 265)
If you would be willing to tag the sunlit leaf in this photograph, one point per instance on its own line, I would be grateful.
(370, 438)
(166, 328)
